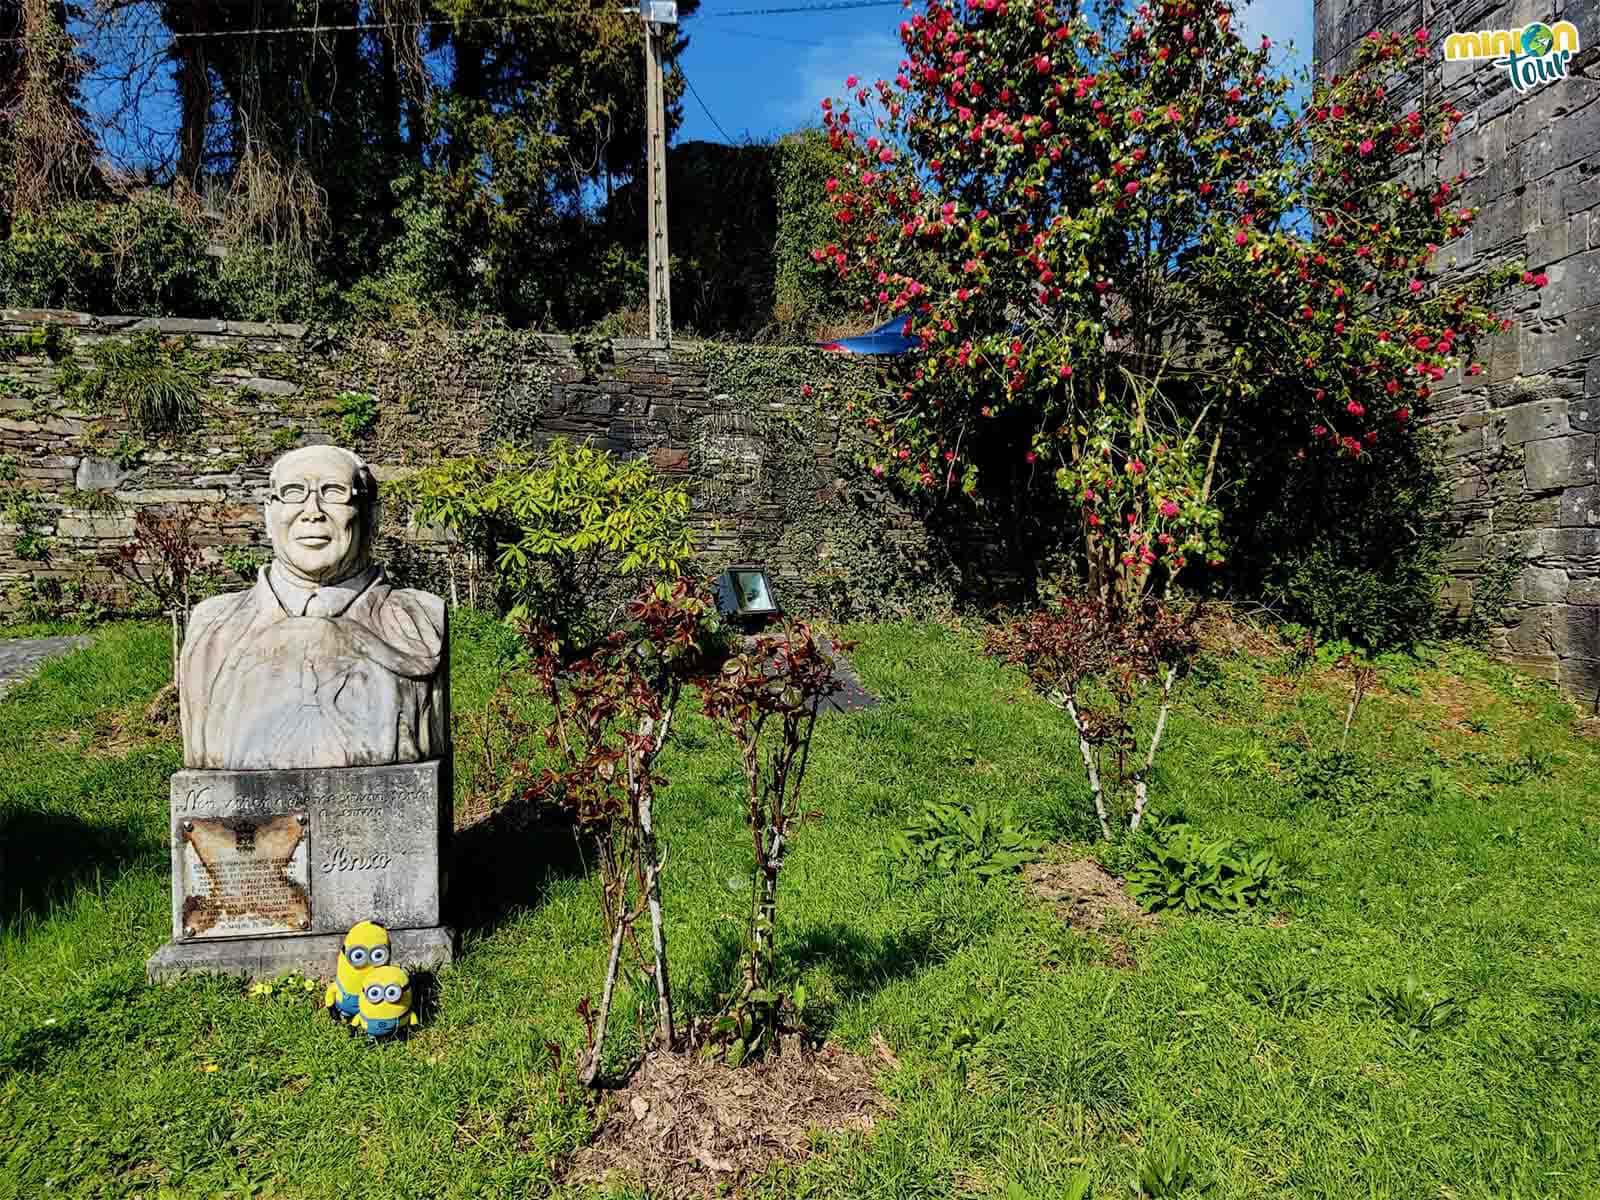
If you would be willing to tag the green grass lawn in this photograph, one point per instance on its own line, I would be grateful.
(1024, 1051)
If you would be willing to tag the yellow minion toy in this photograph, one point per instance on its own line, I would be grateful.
(385, 1002)
(366, 946)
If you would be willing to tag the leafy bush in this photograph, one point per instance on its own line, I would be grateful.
(1354, 550)
(1337, 781)
(568, 528)
(613, 712)
(157, 382)
(978, 837)
(1182, 869)
(356, 413)
(140, 256)
(1081, 650)
(768, 697)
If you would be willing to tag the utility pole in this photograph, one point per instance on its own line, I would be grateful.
(660, 19)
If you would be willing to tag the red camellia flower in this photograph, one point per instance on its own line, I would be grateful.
(1416, 286)
(1355, 408)
(1131, 187)
(1402, 415)
(1241, 238)
(1137, 116)
(1366, 147)
(1169, 508)
(1540, 279)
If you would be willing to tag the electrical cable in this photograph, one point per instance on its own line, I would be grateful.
(706, 108)
(830, 6)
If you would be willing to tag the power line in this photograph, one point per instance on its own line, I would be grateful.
(509, 18)
(831, 6)
(764, 37)
(706, 108)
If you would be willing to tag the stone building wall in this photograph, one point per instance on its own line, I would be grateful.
(1522, 440)
(770, 481)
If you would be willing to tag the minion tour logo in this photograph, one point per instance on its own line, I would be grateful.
(1531, 55)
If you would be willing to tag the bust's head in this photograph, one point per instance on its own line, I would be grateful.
(322, 513)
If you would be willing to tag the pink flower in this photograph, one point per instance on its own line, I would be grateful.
(1241, 238)
(1169, 508)
(1065, 372)
(1042, 64)
(1416, 286)
(1355, 408)
(832, 185)
(1135, 467)
(1030, 456)
(1366, 146)
(1137, 116)
(851, 82)
(1131, 187)
(1174, 115)
(1540, 279)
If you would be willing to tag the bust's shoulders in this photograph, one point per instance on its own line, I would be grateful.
(216, 608)
(424, 611)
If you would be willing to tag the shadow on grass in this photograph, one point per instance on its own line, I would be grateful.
(506, 863)
(46, 856)
(859, 966)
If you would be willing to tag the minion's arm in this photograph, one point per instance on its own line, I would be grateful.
(330, 997)
(411, 1018)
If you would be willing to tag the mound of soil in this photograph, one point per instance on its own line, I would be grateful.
(1088, 894)
(685, 1126)
(1089, 898)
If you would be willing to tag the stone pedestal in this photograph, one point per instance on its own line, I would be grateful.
(270, 868)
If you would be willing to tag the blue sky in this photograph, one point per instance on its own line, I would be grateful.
(763, 76)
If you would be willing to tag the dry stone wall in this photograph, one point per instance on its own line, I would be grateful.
(770, 480)
(1522, 439)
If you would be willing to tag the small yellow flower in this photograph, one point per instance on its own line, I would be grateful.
(209, 1068)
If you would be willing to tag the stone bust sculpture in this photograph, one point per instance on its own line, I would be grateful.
(323, 663)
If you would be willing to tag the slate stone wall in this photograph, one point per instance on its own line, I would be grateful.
(770, 481)
(1522, 439)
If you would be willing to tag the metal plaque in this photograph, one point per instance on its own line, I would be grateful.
(244, 876)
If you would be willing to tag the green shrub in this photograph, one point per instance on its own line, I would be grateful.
(976, 837)
(142, 255)
(567, 527)
(355, 413)
(1181, 869)
(157, 382)
(1352, 548)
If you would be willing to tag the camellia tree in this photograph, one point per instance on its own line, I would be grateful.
(1119, 242)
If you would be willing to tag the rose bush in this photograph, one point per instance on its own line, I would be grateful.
(1120, 242)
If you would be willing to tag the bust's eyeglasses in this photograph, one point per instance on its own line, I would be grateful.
(328, 493)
